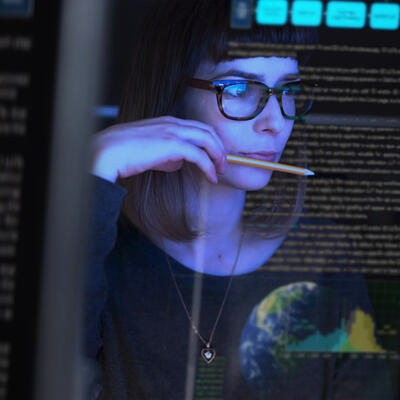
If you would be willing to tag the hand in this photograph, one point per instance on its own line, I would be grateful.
(161, 144)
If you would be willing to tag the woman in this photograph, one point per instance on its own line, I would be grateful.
(175, 292)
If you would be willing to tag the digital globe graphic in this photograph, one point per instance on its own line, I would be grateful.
(300, 317)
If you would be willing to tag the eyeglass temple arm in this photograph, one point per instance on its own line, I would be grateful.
(201, 84)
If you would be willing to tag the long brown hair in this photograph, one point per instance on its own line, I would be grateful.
(173, 39)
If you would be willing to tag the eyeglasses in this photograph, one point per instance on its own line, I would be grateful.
(242, 100)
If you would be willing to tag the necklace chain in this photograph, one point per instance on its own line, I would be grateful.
(193, 326)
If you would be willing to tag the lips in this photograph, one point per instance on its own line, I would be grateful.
(261, 155)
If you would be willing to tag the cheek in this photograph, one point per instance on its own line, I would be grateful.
(233, 141)
(234, 134)
(284, 136)
(245, 178)
(200, 106)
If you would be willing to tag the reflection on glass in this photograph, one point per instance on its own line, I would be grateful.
(187, 295)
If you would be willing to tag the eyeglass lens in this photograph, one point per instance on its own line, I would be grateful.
(242, 100)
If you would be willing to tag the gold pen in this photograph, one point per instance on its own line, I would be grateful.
(268, 165)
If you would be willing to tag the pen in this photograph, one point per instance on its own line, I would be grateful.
(268, 165)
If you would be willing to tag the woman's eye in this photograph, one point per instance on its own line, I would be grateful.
(237, 90)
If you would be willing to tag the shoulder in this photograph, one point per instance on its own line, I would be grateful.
(105, 187)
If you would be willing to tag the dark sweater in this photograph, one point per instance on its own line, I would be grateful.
(136, 329)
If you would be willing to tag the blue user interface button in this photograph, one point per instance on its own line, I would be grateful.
(307, 12)
(15, 8)
(384, 16)
(346, 14)
(272, 12)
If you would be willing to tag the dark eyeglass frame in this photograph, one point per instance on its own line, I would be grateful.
(219, 86)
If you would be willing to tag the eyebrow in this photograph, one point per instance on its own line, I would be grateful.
(251, 76)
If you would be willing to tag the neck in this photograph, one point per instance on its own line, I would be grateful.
(216, 212)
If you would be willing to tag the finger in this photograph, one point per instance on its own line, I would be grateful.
(205, 140)
(168, 119)
(198, 124)
(197, 156)
(169, 166)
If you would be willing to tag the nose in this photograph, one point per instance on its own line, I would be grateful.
(270, 120)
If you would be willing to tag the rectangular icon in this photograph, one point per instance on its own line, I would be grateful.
(241, 14)
(384, 16)
(16, 8)
(307, 12)
(272, 12)
(346, 14)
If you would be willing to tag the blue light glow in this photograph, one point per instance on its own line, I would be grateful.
(19, 8)
(307, 12)
(241, 14)
(346, 14)
(106, 111)
(384, 16)
(272, 12)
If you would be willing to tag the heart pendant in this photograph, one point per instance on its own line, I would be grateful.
(208, 354)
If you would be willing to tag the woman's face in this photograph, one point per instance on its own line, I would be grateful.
(267, 132)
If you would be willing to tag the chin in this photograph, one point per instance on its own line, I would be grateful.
(246, 178)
